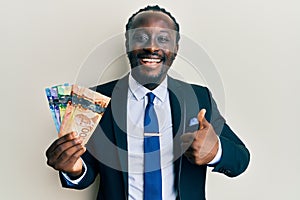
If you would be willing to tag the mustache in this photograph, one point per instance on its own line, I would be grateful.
(151, 55)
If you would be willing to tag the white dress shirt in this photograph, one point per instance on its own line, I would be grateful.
(136, 105)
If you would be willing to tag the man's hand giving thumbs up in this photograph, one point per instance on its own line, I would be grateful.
(202, 145)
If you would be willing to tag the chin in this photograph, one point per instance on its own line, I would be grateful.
(148, 71)
(148, 77)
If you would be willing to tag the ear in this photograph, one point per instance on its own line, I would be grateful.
(177, 47)
(176, 50)
(126, 42)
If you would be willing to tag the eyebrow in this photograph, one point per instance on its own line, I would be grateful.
(146, 28)
(164, 31)
(143, 30)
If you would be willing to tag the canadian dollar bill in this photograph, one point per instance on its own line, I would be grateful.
(83, 112)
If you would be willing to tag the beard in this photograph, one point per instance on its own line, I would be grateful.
(149, 81)
(144, 75)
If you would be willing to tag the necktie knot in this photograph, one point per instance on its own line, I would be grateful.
(150, 115)
(151, 97)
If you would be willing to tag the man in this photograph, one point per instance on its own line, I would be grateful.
(192, 134)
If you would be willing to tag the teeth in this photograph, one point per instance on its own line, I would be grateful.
(151, 60)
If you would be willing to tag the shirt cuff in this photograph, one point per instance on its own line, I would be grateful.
(76, 181)
(217, 158)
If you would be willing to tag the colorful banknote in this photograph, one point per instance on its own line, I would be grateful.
(52, 108)
(80, 109)
(64, 96)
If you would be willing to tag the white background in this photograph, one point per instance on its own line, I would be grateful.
(254, 44)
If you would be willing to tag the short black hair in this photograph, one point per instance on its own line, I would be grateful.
(154, 8)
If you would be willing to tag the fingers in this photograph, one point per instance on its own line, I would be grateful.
(197, 137)
(75, 156)
(191, 152)
(201, 118)
(188, 137)
(64, 152)
(199, 146)
(59, 141)
(69, 158)
(189, 146)
(190, 157)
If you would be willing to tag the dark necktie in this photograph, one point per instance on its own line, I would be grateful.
(152, 171)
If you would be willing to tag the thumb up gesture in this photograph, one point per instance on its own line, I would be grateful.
(202, 145)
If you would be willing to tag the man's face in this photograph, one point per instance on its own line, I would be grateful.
(151, 47)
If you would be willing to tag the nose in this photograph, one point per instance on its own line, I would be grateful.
(151, 46)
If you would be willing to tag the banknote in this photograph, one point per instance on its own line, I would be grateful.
(64, 96)
(58, 97)
(52, 108)
(54, 95)
(83, 112)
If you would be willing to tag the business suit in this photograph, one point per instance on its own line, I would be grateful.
(109, 142)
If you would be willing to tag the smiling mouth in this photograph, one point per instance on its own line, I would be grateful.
(151, 60)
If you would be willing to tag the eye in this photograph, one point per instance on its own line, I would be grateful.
(141, 38)
(163, 39)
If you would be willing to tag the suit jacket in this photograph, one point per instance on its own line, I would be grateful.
(107, 148)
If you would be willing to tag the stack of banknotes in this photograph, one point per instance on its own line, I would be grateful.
(76, 109)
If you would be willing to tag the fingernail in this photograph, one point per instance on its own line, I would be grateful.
(78, 140)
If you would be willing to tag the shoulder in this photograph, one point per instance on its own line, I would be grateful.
(198, 89)
(193, 94)
(106, 88)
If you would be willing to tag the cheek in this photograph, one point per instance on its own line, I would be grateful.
(170, 50)
(133, 46)
(170, 55)
(132, 55)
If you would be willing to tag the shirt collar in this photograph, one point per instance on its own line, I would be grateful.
(139, 91)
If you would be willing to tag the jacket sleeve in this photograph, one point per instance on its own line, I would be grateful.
(89, 177)
(235, 155)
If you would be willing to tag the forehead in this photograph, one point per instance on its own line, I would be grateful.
(153, 19)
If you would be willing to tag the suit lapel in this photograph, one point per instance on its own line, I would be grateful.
(184, 106)
(178, 121)
(177, 105)
(119, 113)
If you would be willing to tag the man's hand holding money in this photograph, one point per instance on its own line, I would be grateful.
(64, 154)
(76, 112)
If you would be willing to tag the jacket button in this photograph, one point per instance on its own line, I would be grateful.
(227, 172)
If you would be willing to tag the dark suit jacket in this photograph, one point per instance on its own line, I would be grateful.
(107, 148)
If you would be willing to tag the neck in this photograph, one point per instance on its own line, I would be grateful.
(149, 83)
(151, 86)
